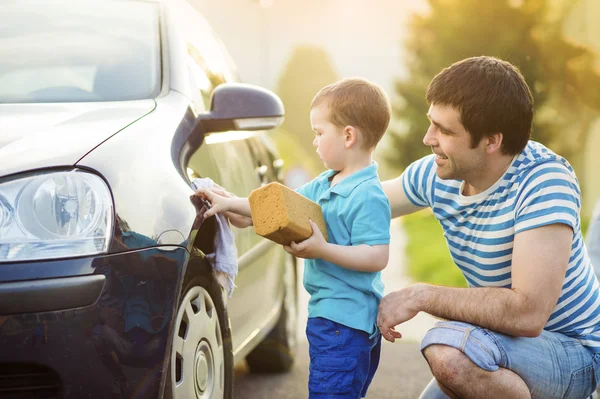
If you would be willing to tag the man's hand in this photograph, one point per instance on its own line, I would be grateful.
(311, 248)
(396, 308)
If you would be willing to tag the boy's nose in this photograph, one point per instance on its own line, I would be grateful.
(315, 142)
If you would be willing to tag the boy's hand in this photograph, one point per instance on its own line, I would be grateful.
(239, 221)
(219, 204)
(311, 248)
(221, 191)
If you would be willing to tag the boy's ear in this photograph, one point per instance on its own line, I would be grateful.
(350, 136)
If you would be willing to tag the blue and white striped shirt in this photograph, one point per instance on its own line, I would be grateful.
(538, 189)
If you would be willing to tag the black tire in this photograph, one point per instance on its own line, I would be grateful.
(213, 349)
(276, 354)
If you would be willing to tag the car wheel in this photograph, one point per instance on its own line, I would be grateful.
(278, 351)
(201, 364)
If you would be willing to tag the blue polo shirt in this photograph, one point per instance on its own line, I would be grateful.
(356, 212)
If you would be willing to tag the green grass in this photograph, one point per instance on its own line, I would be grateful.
(428, 257)
(585, 223)
(427, 254)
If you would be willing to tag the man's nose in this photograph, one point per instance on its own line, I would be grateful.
(429, 139)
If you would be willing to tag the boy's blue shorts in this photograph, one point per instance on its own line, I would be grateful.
(342, 360)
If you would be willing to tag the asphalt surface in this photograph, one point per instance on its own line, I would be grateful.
(402, 373)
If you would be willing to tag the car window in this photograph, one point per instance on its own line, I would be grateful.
(78, 52)
(229, 164)
(198, 79)
(202, 164)
(266, 165)
(205, 78)
(237, 175)
(238, 166)
(208, 62)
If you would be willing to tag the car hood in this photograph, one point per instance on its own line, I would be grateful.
(35, 136)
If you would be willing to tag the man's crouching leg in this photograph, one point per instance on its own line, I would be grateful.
(458, 377)
(467, 362)
(473, 362)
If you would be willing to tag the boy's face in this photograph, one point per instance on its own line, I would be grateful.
(329, 138)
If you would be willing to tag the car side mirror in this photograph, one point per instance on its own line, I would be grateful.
(239, 106)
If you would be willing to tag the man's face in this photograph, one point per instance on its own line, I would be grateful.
(329, 138)
(451, 142)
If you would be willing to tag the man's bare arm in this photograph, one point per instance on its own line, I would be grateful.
(399, 203)
(539, 263)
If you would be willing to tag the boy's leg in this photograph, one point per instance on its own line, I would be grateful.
(340, 360)
(551, 365)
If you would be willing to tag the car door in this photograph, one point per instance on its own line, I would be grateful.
(227, 158)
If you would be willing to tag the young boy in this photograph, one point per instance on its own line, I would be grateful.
(343, 275)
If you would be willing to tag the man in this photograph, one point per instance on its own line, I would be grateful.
(528, 325)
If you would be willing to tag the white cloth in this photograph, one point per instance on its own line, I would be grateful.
(224, 259)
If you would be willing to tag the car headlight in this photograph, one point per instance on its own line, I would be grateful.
(54, 215)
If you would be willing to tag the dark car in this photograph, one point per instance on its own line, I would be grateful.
(108, 111)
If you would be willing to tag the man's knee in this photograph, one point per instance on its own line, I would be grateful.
(464, 341)
(448, 365)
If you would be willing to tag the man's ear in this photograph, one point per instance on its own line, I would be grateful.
(494, 143)
(350, 136)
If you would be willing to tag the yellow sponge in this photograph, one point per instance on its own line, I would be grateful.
(281, 214)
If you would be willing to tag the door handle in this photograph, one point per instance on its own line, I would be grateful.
(262, 170)
(278, 167)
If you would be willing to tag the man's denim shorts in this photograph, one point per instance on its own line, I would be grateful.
(552, 365)
(342, 360)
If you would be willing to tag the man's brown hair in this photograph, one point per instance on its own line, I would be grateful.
(359, 103)
(491, 96)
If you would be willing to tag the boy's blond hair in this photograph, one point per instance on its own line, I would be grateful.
(359, 103)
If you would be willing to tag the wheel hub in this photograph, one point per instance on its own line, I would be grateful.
(203, 368)
(201, 372)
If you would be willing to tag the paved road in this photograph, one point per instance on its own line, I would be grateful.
(402, 373)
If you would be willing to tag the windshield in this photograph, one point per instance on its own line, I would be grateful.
(78, 51)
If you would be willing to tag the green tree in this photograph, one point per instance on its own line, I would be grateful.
(527, 33)
(308, 70)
